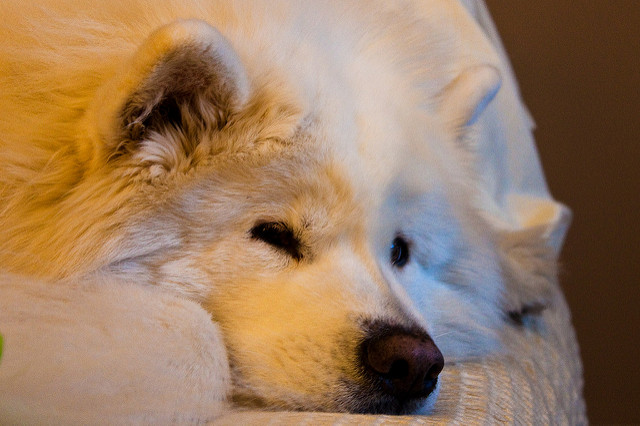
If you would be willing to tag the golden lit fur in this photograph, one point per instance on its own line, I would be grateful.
(141, 143)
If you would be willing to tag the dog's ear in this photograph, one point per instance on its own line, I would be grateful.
(529, 255)
(463, 100)
(184, 82)
(529, 266)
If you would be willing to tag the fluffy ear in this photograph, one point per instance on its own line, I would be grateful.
(529, 253)
(183, 81)
(464, 99)
(530, 269)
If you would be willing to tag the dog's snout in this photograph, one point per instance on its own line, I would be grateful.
(407, 364)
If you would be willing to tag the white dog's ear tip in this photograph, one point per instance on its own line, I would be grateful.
(489, 82)
(467, 96)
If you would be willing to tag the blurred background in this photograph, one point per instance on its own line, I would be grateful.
(578, 65)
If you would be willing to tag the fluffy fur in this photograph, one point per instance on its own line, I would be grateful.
(104, 352)
(143, 142)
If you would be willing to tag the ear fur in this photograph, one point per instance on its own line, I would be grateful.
(530, 269)
(464, 99)
(184, 80)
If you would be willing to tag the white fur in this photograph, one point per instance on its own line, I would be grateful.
(105, 352)
(348, 126)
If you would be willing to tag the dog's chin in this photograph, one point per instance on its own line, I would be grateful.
(374, 401)
(427, 405)
(368, 400)
(390, 405)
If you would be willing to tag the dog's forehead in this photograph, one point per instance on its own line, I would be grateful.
(300, 181)
(319, 164)
(318, 188)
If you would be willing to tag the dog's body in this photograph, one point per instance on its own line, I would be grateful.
(301, 174)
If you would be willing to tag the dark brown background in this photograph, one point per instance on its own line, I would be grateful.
(578, 64)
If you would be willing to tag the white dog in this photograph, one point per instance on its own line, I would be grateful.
(297, 170)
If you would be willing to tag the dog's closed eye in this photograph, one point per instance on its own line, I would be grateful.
(279, 236)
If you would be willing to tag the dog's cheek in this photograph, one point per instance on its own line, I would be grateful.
(284, 348)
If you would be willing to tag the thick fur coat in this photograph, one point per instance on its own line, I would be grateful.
(300, 173)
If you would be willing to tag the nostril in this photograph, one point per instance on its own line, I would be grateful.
(431, 379)
(436, 368)
(399, 369)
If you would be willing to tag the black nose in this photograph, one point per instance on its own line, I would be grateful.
(406, 363)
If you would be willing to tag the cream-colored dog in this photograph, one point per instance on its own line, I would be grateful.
(259, 202)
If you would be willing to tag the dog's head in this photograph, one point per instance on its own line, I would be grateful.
(242, 196)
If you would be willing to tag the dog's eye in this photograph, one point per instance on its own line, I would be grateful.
(279, 236)
(399, 252)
